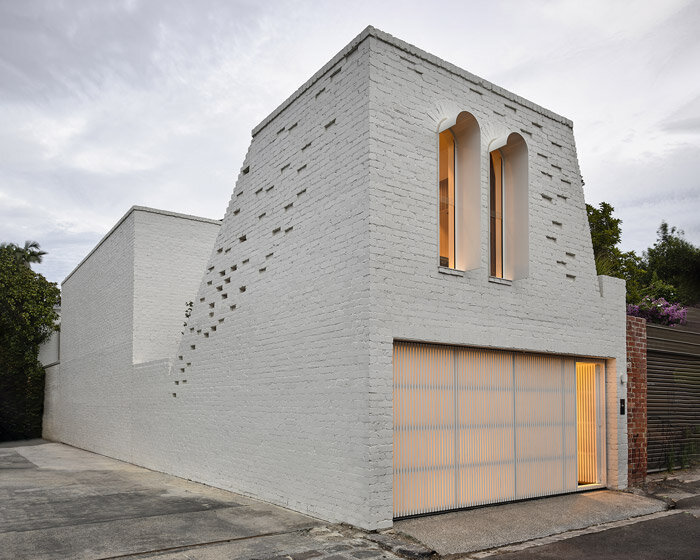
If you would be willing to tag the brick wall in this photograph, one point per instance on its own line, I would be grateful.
(637, 399)
(112, 316)
(281, 387)
(170, 254)
(561, 307)
(84, 401)
(269, 386)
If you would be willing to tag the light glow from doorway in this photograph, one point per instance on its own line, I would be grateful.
(586, 419)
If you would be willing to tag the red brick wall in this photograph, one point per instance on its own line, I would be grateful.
(636, 400)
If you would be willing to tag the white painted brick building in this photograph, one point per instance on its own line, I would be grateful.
(284, 384)
(122, 312)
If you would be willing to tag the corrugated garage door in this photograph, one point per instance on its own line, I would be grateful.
(478, 426)
(673, 402)
(673, 394)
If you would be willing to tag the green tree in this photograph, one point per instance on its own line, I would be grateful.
(674, 260)
(605, 230)
(27, 318)
(606, 233)
(27, 255)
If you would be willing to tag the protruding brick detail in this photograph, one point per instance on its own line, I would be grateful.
(637, 400)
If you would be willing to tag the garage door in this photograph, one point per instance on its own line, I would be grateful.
(478, 426)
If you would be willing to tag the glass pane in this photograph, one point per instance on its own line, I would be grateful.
(447, 199)
(496, 215)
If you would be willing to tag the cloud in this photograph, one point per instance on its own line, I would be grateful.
(685, 119)
(114, 103)
(683, 125)
(648, 189)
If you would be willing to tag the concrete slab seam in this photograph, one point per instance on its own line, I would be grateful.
(199, 545)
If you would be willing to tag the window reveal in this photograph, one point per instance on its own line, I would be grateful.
(508, 208)
(459, 193)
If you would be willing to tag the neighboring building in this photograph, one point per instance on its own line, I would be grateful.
(663, 395)
(673, 394)
(400, 313)
(50, 350)
(50, 358)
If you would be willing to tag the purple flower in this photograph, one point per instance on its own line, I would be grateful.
(659, 311)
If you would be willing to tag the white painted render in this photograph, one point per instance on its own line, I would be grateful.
(281, 387)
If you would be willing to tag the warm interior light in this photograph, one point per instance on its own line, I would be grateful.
(586, 423)
(496, 214)
(447, 199)
(475, 426)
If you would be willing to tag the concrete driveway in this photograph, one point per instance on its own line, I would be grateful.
(59, 502)
(490, 527)
(599, 524)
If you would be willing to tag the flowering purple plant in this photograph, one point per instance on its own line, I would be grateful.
(659, 311)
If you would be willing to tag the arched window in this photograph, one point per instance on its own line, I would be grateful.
(447, 199)
(496, 208)
(508, 208)
(459, 193)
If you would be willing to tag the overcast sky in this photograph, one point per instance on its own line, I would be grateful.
(105, 104)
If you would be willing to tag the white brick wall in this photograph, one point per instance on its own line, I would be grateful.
(96, 326)
(411, 93)
(276, 396)
(90, 398)
(281, 387)
(169, 262)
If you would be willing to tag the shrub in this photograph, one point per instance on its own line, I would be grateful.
(659, 311)
(27, 318)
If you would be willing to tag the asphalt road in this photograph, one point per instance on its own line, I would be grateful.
(672, 535)
(675, 537)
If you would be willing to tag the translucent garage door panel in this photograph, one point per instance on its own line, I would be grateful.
(424, 443)
(476, 426)
(541, 401)
(570, 457)
(484, 426)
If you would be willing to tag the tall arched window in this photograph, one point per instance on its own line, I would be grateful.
(447, 199)
(496, 204)
(508, 208)
(459, 193)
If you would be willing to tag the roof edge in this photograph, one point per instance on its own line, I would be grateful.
(380, 35)
(345, 51)
(454, 69)
(125, 216)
